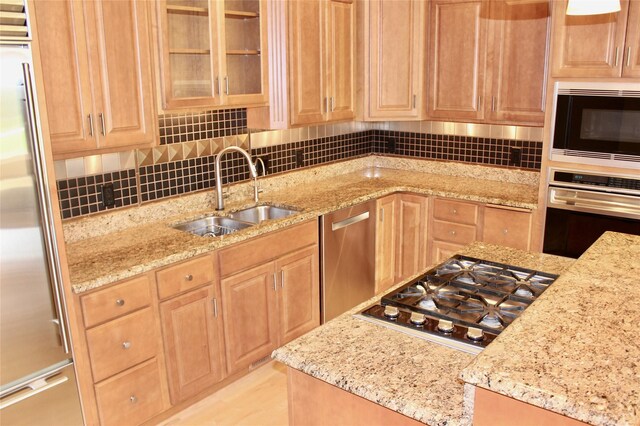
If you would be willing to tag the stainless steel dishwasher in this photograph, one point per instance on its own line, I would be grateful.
(348, 258)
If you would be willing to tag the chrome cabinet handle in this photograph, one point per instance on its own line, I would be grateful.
(215, 307)
(38, 385)
(281, 278)
(188, 277)
(275, 284)
(628, 56)
(349, 221)
(133, 399)
(226, 85)
(493, 103)
(90, 117)
(505, 231)
(454, 211)
(453, 233)
(126, 345)
(617, 54)
(333, 106)
(120, 302)
(479, 102)
(101, 116)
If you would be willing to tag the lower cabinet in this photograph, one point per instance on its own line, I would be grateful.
(411, 248)
(507, 227)
(193, 342)
(272, 297)
(386, 242)
(454, 224)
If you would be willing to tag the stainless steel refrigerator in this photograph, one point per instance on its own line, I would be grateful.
(37, 380)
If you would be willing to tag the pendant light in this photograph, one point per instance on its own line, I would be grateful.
(592, 7)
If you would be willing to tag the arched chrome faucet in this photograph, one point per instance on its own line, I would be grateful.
(252, 171)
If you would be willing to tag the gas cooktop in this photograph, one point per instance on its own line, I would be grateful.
(463, 303)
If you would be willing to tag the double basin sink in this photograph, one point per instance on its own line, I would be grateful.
(217, 226)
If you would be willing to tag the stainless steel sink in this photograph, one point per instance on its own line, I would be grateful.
(259, 213)
(212, 226)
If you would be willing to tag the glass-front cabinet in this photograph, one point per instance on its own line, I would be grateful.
(213, 53)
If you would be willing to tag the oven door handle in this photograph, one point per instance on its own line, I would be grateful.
(593, 202)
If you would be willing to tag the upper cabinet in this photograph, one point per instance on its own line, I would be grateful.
(212, 53)
(311, 64)
(488, 61)
(97, 75)
(394, 59)
(604, 45)
(457, 59)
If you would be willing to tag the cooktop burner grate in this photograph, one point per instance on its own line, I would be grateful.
(475, 298)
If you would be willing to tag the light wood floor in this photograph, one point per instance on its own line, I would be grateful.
(259, 398)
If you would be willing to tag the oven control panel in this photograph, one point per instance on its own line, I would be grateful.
(597, 181)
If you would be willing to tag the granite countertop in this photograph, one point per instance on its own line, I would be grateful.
(411, 376)
(576, 350)
(150, 242)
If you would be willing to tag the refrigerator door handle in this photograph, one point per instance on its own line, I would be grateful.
(45, 203)
(37, 386)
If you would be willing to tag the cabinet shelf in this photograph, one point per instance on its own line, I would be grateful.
(238, 14)
(243, 52)
(190, 51)
(188, 10)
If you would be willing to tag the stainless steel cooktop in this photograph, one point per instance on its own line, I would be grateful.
(463, 303)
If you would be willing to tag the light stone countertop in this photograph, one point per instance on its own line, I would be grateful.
(129, 242)
(576, 350)
(411, 376)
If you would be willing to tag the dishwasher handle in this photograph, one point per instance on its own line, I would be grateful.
(349, 221)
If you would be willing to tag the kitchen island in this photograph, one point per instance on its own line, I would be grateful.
(560, 354)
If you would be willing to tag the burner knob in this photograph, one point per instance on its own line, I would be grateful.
(391, 312)
(417, 318)
(445, 326)
(475, 334)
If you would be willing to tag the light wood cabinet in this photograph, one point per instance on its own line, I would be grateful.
(212, 53)
(311, 64)
(412, 239)
(457, 59)
(194, 349)
(270, 293)
(97, 74)
(394, 59)
(503, 43)
(596, 45)
(507, 227)
(386, 242)
(453, 224)
(517, 62)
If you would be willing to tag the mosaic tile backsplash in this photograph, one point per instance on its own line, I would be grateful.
(184, 160)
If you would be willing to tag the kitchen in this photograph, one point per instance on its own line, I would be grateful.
(348, 103)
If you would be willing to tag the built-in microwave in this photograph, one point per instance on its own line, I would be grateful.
(596, 123)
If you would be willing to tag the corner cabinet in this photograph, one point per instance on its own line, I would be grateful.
(394, 60)
(97, 74)
(212, 53)
(311, 64)
(606, 45)
(270, 293)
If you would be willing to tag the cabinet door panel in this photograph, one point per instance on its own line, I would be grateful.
(517, 62)
(631, 65)
(386, 233)
(308, 94)
(457, 59)
(506, 227)
(441, 251)
(65, 74)
(122, 68)
(341, 34)
(193, 343)
(588, 46)
(250, 319)
(412, 235)
(395, 32)
(299, 302)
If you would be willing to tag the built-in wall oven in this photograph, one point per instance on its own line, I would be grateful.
(597, 123)
(582, 205)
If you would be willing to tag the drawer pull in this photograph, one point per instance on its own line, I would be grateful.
(133, 399)
(126, 345)
(120, 302)
(505, 231)
(454, 211)
(188, 277)
(452, 233)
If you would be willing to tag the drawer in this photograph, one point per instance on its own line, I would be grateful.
(456, 211)
(507, 227)
(131, 398)
(115, 301)
(122, 343)
(441, 251)
(185, 276)
(268, 247)
(453, 232)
